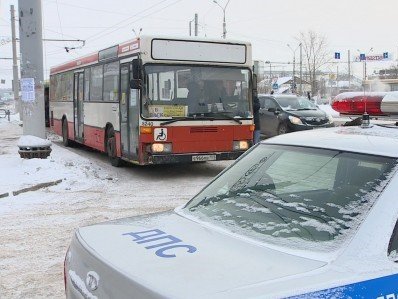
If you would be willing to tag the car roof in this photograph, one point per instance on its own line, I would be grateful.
(375, 140)
(277, 95)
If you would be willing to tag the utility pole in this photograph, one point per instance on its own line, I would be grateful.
(224, 25)
(294, 65)
(294, 74)
(15, 82)
(31, 53)
(349, 69)
(301, 69)
(196, 24)
(337, 79)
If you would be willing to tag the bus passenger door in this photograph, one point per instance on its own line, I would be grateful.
(129, 125)
(78, 110)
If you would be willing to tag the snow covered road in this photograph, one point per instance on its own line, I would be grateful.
(36, 227)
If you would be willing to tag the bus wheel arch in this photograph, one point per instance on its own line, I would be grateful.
(110, 145)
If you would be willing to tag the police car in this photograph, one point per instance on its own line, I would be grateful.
(311, 214)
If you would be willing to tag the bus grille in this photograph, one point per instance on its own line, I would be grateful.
(204, 129)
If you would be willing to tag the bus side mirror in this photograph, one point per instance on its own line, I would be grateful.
(254, 90)
(137, 66)
(135, 84)
(254, 82)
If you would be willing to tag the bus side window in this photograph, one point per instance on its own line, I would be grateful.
(87, 84)
(111, 82)
(96, 83)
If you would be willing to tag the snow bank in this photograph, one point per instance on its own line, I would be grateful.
(33, 141)
(329, 110)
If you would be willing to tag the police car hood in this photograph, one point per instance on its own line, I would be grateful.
(179, 258)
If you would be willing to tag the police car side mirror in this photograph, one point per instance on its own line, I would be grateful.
(254, 82)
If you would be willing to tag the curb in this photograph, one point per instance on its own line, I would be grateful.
(32, 188)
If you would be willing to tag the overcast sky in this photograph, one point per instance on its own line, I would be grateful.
(269, 25)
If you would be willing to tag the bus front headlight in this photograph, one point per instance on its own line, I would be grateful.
(161, 148)
(240, 145)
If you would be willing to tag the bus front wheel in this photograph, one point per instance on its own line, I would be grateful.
(111, 148)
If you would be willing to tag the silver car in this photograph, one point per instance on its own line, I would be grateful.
(311, 214)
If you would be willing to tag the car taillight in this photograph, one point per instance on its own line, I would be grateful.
(359, 104)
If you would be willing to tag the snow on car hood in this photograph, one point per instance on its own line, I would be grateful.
(177, 257)
(308, 113)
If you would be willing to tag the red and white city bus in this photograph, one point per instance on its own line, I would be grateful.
(156, 100)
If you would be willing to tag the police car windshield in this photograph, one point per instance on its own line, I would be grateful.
(312, 199)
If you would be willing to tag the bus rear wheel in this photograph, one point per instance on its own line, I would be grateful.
(111, 148)
(65, 134)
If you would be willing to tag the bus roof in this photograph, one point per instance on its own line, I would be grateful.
(145, 45)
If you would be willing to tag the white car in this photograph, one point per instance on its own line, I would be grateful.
(311, 214)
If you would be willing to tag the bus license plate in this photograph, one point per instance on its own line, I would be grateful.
(203, 158)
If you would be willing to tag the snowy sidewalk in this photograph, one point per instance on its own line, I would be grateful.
(36, 227)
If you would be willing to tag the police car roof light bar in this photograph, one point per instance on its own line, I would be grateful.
(373, 103)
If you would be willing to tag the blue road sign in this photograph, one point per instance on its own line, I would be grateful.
(275, 86)
(362, 57)
(336, 55)
(385, 55)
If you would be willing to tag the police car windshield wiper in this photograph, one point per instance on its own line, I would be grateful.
(185, 118)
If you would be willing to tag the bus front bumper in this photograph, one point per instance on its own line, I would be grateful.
(193, 157)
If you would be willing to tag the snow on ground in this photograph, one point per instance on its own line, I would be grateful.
(36, 227)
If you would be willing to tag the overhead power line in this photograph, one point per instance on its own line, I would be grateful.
(99, 34)
(90, 8)
(118, 23)
(71, 36)
(59, 19)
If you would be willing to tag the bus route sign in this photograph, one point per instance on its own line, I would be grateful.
(160, 111)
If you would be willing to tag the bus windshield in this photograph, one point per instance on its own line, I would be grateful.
(195, 91)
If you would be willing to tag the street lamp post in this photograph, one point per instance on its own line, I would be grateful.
(294, 65)
(196, 25)
(224, 25)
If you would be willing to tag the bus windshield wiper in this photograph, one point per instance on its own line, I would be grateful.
(228, 117)
(185, 118)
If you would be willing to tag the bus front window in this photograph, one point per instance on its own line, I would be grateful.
(195, 91)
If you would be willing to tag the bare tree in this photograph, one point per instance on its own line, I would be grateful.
(315, 54)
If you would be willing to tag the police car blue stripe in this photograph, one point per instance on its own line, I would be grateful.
(379, 288)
